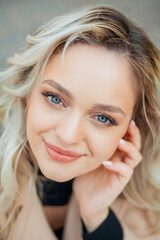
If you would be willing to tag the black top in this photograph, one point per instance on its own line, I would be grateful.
(58, 194)
(110, 229)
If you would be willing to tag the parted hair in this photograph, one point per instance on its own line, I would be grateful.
(98, 26)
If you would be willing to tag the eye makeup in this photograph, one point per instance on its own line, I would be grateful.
(54, 98)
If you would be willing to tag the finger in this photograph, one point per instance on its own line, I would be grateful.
(133, 156)
(119, 167)
(130, 162)
(134, 135)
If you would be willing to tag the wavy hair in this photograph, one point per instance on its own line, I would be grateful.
(98, 26)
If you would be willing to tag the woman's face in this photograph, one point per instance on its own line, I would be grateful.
(79, 111)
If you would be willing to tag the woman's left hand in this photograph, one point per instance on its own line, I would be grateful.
(96, 190)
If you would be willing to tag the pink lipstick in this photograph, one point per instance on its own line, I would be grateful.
(60, 154)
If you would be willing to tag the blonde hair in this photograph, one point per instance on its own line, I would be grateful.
(99, 26)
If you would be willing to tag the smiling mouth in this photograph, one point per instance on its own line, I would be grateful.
(60, 154)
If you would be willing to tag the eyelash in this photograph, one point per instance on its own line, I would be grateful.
(49, 94)
(111, 120)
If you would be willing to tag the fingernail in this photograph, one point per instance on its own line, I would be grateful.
(123, 142)
(133, 123)
(108, 163)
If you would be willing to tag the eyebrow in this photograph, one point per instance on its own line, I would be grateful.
(104, 107)
(56, 85)
(109, 108)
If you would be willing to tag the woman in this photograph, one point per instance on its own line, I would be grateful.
(82, 103)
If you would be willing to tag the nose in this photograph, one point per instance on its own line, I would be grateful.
(70, 130)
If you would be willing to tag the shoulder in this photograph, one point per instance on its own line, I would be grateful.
(31, 222)
(137, 223)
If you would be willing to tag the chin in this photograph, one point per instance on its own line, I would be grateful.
(58, 177)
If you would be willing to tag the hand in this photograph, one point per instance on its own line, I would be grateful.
(96, 190)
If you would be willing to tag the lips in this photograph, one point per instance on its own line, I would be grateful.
(61, 155)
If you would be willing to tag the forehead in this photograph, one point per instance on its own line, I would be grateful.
(84, 57)
(92, 71)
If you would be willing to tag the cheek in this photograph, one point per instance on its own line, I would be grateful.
(39, 119)
(36, 121)
(103, 146)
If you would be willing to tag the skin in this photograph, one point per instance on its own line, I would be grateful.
(93, 76)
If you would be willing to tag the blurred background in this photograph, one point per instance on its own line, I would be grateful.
(20, 17)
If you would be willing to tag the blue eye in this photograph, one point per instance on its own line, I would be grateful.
(54, 99)
(103, 119)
